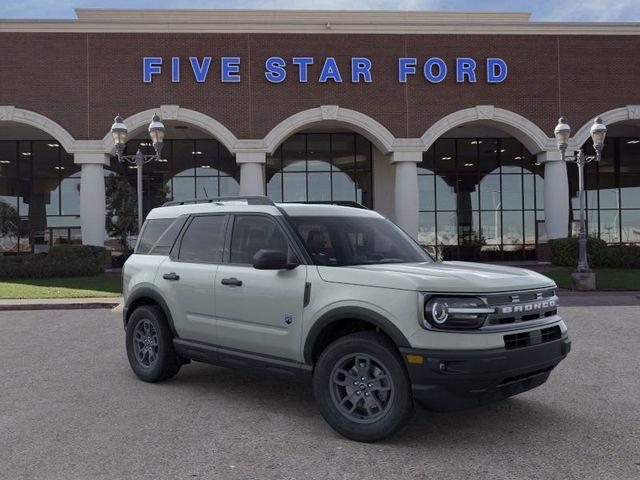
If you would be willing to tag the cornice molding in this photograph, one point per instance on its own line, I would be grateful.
(310, 21)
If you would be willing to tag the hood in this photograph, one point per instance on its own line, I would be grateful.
(460, 277)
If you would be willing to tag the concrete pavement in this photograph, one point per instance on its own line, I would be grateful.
(70, 408)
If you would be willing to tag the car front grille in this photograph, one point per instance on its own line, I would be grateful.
(535, 337)
(517, 307)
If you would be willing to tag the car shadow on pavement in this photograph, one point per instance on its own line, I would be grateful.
(512, 420)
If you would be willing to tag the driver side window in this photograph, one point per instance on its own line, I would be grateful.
(252, 233)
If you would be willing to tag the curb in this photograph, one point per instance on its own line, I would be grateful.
(79, 305)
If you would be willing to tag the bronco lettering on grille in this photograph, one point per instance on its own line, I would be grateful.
(528, 307)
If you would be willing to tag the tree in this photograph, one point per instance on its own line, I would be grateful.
(122, 215)
(9, 222)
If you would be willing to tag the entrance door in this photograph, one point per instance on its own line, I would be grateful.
(259, 310)
(187, 278)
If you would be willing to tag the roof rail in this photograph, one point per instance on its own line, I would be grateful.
(251, 200)
(341, 203)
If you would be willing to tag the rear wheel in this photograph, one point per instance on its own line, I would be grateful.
(150, 345)
(362, 388)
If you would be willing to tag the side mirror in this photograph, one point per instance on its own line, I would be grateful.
(272, 260)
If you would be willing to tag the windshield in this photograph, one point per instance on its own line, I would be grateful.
(343, 241)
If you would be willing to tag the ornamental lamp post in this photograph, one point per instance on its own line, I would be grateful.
(119, 133)
(562, 133)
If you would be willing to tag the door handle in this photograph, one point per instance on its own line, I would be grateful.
(231, 282)
(173, 276)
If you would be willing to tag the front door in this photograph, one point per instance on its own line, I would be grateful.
(187, 279)
(259, 310)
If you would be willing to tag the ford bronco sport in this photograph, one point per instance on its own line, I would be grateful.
(339, 295)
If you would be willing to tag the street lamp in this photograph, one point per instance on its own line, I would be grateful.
(119, 133)
(562, 133)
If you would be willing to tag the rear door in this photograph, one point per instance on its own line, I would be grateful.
(187, 277)
(259, 310)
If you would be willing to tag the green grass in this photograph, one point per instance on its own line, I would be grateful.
(71, 287)
(607, 279)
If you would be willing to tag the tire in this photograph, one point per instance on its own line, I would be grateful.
(384, 403)
(149, 343)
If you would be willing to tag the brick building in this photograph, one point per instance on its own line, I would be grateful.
(441, 121)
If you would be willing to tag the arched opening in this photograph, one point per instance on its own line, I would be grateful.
(322, 164)
(481, 195)
(612, 187)
(194, 165)
(39, 190)
(328, 154)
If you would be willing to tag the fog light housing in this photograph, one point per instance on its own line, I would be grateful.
(455, 313)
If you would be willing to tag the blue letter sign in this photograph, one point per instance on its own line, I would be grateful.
(428, 70)
(151, 66)
(275, 69)
(496, 70)
(434, 69)
(330, 71)
(200, 71)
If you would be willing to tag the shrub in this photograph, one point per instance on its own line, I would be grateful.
(61, 261)
(618, 256)
(564, 251)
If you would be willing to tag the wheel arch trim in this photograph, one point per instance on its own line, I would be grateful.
(341, 314)
(148, 292)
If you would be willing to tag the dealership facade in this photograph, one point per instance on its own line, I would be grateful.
(441, 121)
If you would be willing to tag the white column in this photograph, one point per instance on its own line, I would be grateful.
(251, 172)
(556, 194)
(92, 197)
(406, 190)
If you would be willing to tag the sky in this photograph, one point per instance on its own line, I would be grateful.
(542, 10)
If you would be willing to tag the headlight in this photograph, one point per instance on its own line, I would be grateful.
(455, 313)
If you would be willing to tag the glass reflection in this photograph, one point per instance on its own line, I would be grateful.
(321, 167)
(477, 201)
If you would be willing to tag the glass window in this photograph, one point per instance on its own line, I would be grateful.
(630, 222)
(511, 155)
(343, 151)
(426, 166)
(183, 158)
(488, 155)
(294, 187)
(320, 186)
(8, 159)
(207, 187)
(467, 155)
(610, 226)
(512, 192)
(426, 188)
(319, 152)
(341, 241)
(166, 240)
(45, 157)
(445, 156)
(203, 241)
(151, 232)
(321, 167)
(445, 194)
(252, 233)
(293, 153)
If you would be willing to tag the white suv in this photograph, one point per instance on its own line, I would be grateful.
(339, 295)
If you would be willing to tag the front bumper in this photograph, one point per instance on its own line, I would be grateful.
(452, 380)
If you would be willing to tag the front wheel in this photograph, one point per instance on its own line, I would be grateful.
(362, 388)
(150, 345)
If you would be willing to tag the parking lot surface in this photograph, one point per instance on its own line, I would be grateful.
(70, 408)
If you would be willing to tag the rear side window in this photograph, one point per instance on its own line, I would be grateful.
(203, 241)
(151, 232)
(168, 238)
